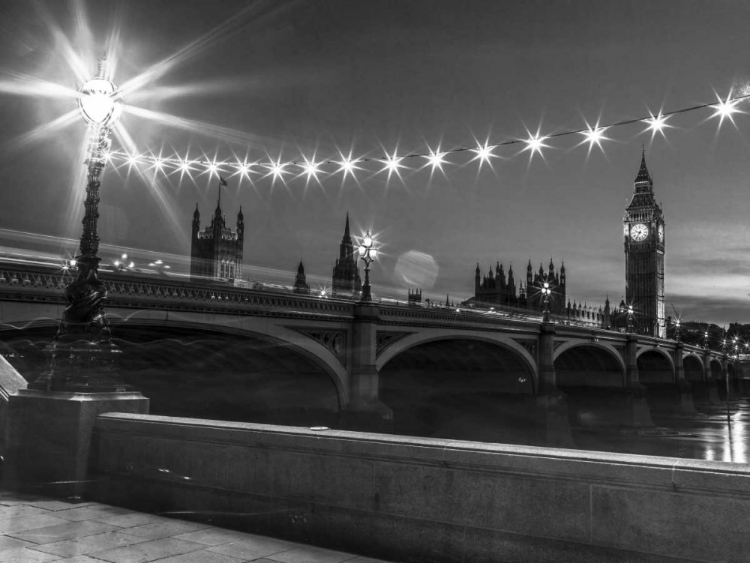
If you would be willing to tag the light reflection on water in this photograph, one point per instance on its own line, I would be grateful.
(708, 434)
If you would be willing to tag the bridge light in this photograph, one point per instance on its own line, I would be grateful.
(367, 253)
(99, 102)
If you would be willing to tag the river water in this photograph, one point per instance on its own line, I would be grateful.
(714, 433)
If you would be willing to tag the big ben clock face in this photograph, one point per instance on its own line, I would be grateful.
(661, 233)
(639, 232)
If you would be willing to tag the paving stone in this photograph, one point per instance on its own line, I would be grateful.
(96, 512)
(17, 525)
(25, 555)
(80, 559)
(89, 544)
(254, 548)
(54, 505)
(7, 542)
(132, 520)
(201, 556)
(147, 551)
(12, 499)
(64, 531)
(308, 554)
(20, 510)
(165, 529)
(215, 536)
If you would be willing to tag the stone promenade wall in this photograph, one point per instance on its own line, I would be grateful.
(426, 500)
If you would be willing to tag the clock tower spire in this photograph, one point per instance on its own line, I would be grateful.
(644, 240)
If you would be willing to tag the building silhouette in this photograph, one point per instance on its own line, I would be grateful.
(345, 272)
(497, 289)
(216, 251)
(300, 281)
(644, 241)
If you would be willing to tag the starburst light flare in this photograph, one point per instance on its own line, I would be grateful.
(392, 165)
(484, 154)
(594, 136)
(656, 124)
(534, 144)
(436, 159)
(347, 165)
(725, 109)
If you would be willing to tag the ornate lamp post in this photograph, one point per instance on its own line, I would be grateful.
(631, 313)
(546, 292)
(367, 253)
(677, 330)
(83, 356)
(705, 340)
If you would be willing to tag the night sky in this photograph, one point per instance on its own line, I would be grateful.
(287, 80)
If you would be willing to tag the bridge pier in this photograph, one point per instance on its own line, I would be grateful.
(685, 404)
(365, 411)
(637, 411)
(551, 403)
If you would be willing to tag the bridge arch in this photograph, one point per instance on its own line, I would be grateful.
(457, 386)
(655, 365)
(270, 334)
(433, 335)
(693, 367)
(589, 364)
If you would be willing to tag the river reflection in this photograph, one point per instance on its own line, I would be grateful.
(707, 434)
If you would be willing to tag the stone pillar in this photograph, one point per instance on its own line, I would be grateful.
(48, 437)
(552, 404)
(710, 393)
(631, 364)
(365, 411)
(547, 376)
(685, 400)
(637, 411)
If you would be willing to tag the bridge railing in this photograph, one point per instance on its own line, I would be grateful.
(37, 283)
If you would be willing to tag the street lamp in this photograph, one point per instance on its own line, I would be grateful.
(705, 340)
(677, 330)
(83, 356)
(545, 292)
(367, 253)
(630, 318)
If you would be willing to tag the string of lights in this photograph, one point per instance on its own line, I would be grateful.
(723, 109)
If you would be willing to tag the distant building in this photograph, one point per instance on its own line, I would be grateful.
(415, 297)
(345, 272)
(216, 251)
(300, 281)
(644, 240)
(495, 288)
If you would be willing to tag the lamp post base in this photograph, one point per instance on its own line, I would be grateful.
(49, 438)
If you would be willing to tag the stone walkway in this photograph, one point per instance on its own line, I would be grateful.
(38, 529)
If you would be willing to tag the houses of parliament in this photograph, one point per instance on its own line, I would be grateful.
(644, 240)
(217, 252)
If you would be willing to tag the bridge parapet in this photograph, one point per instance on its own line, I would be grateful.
(469, 318)
(35, 283)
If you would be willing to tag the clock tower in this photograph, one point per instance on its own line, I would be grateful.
(644, 238)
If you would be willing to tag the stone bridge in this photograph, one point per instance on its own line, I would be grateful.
(363, 349)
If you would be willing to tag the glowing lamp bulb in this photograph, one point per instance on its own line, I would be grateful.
(373, 253)
(99, 103)
(362, 250)
(367, 243)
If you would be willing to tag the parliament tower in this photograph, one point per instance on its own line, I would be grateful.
(345, 272)
(644, 239)
(216, 252)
